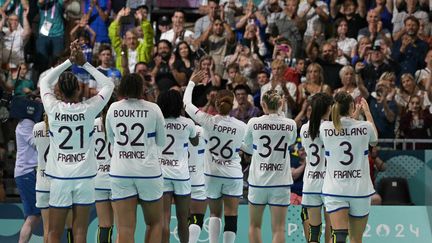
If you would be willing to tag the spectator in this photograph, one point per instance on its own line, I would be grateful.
(349, 84)
(163, 26)
(314, 83)
(385, 10)
(218, 40)
(253, 40)
(408, 89)
(271, 10)
(160, 68)
(133, 51)
(20, 84)
(98, 12)
(296, 73)
(205, 22)
(422, 76)
(347, 47)
(50, 42)
(151, 91)
(317, 14)
(330, 67)
(280, 84)
(14, 39)
(182, 63)
(411, 9)
(353, 11)
(288, 26)
(86, 37)
(178, 32)
(384, 111)
(262, 79)
(245, 110)
(25, 177)
(371, 65)
(416, 122)
(409, 51)
(251, 16)
(375, 30)
(105, 67)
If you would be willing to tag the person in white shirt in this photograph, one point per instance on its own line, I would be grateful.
(103, 152)
(224, 176)
(315, 167)
(136, 129)
(174, 162)
(41, 141)
(198, 203)
(270, 175)
(347, 186)
(178, 32)
(69, 162)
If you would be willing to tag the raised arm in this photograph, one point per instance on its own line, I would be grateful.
(48, 82)
(190, 108)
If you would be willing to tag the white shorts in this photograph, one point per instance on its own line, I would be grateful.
(67, 193)
(199, 193)
(103, 195)
(273, 196)
(42, 199)
(218, 187)
(358, 207)
(147, 189)
(178, 188)
(312, 200)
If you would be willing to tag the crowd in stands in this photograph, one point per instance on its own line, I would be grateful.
(376, 49)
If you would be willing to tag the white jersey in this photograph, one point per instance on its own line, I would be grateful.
(42, 142)
(225, 137)
(196, 159)
(270, 137)
(346, 151)
(314, 174)
(174, 156)
(71, 126)
(136, 130)
(103, 153)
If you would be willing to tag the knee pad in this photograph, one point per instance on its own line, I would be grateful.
(340, 235)
(230, 224)
(304, 214)
(104, 235)
(314, 233)
(197, 219)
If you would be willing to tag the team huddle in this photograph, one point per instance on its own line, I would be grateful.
(123, 151)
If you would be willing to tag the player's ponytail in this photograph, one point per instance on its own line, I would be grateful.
(224, 101)
(341, 107)
(45, 119)
(320, 104)
(272, 99)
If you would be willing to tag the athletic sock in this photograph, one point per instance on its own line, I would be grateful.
(229, 237)
(194, 233)
(215, 225)
(69, 235)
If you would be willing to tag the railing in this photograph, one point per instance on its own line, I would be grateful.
(398, 143)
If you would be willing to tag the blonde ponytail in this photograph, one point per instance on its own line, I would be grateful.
(336, 116)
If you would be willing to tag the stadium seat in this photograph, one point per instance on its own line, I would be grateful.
(394, 191)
